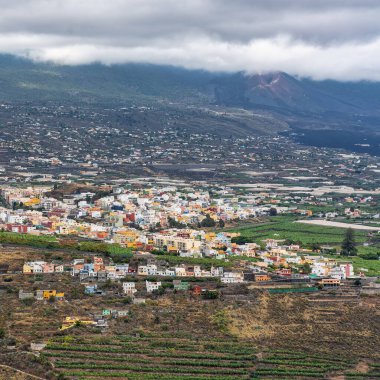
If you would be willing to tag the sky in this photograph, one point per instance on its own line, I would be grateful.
(320, 39)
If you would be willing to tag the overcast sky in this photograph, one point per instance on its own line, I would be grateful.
(338, 39)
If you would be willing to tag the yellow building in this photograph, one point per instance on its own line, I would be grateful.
(26, 268)
(32, 202)
(125, 237)
(52, 293)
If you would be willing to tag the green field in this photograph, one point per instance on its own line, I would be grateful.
(289, 364)
(284, 228)
(371, 267)
(178, 356)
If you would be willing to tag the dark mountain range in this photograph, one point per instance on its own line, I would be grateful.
(21, 79)
(351, 108)
(284, 92)
(24, 80)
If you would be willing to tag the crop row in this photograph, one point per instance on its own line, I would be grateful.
(144, 351)
(286, 354)
(88, 375)
(308, 358)
(96, 366)
(375, 375)
(213, 363)
(174, 345)
(282, 372)
(302, 363)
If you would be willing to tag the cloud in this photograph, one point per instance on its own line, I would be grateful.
(337, 39)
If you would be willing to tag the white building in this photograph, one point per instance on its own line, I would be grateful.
(151, 286)
(233, 277)
(129, 288)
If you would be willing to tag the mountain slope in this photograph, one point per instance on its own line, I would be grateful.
(24, 80)
(284, 92)
(21, 79)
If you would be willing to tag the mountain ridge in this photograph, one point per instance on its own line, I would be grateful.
(298, 101)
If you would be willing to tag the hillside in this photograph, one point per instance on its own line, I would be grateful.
(347, 114)
(23, 79)
(282, 91)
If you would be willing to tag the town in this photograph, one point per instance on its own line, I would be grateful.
(174, 233)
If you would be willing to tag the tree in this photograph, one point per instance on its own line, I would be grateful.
(241, 240)
(315, 247)
(348, 244)
(208, 221)
(273, 212)
(306, 268)
(221, 223)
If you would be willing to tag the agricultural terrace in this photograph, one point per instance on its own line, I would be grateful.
(156, 356)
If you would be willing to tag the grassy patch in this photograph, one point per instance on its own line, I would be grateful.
(285, 228)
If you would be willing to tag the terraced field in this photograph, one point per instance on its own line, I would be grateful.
(156, 356)
(287, 365)
(285, 228)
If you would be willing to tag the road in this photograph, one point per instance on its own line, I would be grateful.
(327, 223)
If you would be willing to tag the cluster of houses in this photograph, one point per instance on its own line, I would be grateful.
(41, 295)
(279, 265)
(97, 270)
(31, 210)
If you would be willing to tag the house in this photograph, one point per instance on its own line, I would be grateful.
(59, 268)
(39, 295)
(129, 288)
(330, 282)
(25, 295)
(180, 272)
(47, 294)
(27, 268)
(232, 277)
(181, 285)
(197, 290)
(138, 301)
(90, 289)
(216, 272)
(102, 276)
(142, 270)
(261, 277)
(151, 286)
(48, 268)
(284, 272)
(151, 269)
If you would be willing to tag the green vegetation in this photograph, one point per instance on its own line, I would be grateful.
(348, 244)
(177, 356)
(369, 267)
(286, 364)
(52, 242)
(283, 227)
(31, 240)
(151, 357)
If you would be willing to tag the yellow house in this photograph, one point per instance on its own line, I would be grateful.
(210, 236)
(32, 202)
(49, 293)
(26, 268)
(52, 293)
(71, 321)
(172, 248)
